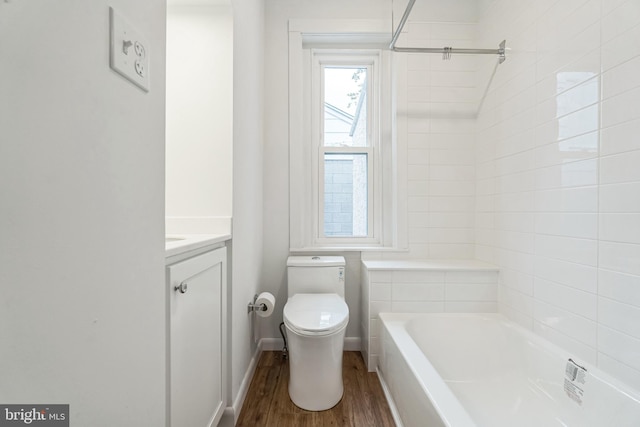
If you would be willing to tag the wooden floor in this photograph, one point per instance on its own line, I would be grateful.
(268, 405)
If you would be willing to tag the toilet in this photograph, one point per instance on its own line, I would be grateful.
(315, 317)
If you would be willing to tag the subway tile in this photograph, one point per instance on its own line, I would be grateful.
(574, 174)
(380, 292)
(573, 300)
(619, 316)
(526, 321)
(418, 306)
(582, 199)
(417, 172)
(471, 277)
(578, 276)
(418, 93)
(620, 20)
(451, 235)
(418, 276)
(577, 348)
(418, 204)
(622, 257)
(579, 225)
(519, 261)
(515, 240)
(576, 327)
(620, 138)
(516, 300)
(418, 219)
(621, 108)
(515, 202)
(621, 78)
(619, 346)
(451, 220)
(419, 235)
(624, 373)
(377, 307)
(418, 156)
(569, 76)
(581, 251)
(451, 250)
(452, 188)
(619, 286)
(569, 150)
(620, 227)
(452, 157)
(620, 168)
(453, 79)
(470, 307)
(515, 221)
(417, 140)
(621, 48)
(449, 141)
(452, 172)
(382, 276)
(471, 292)
(451, 204)
(517, 280)
(418, 187)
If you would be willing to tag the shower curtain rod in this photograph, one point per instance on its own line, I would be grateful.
(445, 51)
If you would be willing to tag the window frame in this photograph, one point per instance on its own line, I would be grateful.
(388, 225)
(348, 58)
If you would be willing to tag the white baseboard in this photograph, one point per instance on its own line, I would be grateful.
(231, 413)
(277, 344)
(352, 344)
(272, 344)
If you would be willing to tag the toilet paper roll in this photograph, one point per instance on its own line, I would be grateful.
(269, 301)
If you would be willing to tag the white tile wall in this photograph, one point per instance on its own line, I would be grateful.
(441, 102)
(406, 289)
(558, 173)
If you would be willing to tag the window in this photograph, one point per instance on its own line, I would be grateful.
(341, 146)
(346, 154)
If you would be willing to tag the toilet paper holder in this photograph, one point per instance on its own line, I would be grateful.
(252, 306)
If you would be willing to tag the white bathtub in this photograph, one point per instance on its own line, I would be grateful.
(481, 370)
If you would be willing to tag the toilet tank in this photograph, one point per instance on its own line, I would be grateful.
(315, 275)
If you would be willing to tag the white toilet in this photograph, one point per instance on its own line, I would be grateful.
(316, 318)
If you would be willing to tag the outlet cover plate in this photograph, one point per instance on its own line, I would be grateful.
(129, 53)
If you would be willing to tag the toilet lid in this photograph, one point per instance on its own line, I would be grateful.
(315, 314)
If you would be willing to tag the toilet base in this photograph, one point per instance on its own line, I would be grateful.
(315, 370)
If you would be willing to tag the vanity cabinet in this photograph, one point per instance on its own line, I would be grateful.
(197, 339)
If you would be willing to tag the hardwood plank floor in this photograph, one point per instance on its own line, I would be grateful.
(268, 405)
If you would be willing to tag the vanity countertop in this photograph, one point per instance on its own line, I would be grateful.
(176, 244)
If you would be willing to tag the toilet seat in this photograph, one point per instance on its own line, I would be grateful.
(316, 314)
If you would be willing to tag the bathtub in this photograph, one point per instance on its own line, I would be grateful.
(481, 370)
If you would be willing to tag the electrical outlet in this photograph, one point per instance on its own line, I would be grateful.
(129, 53)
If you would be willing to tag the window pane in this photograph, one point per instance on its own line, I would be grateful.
(345, 195)
(345, 107)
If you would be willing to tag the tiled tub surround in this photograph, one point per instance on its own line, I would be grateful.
(558, 181)
(422, 286)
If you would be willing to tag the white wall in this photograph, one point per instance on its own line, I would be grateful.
(247, 258)
(199, 116)
(558, 186)
(82, 308)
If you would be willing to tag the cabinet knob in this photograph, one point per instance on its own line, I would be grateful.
(182, 287)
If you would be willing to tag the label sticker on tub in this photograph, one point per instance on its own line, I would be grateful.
(575, 377)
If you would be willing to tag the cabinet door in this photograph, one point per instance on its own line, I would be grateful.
(197, 340)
